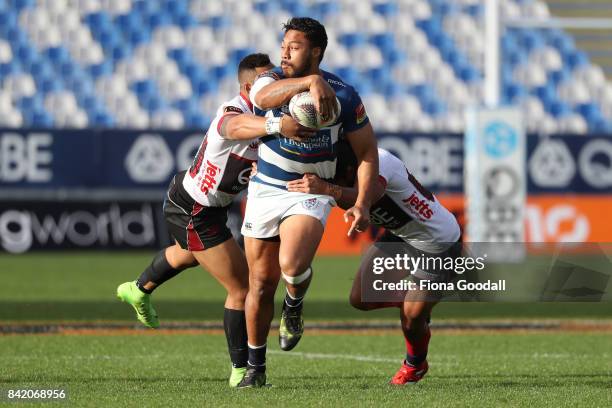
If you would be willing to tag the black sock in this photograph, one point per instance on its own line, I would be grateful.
(294, 303)
(158, 272)
(257, 358)
(234, 324)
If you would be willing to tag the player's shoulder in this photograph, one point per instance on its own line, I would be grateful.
(275, 73)
(341, 88)
(234, 105)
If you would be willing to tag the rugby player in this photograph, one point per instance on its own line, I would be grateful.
(412, 216)
(196, 208)
(284, 228)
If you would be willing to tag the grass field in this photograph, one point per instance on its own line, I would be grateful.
(337, 368)
(340, 370)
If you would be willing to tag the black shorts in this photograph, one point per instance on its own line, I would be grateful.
(194, 226)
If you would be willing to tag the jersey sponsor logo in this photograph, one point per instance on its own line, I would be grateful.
(388, 214)
(236, 175)
(360, 113)
(421, 207)
(208, 181)
(318, 145)
(232, 109)
(333, 81)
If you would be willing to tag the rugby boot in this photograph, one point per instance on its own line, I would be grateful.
(408, 374)
(253, 379)
(140, 301)
(291, 327)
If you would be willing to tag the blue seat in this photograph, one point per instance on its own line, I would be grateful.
(350, 40)
(102, 119)
(547, 94)
(295, 8)
(469, 74)
(266, 7)
(557, 77)
(385, 41)
(186, 21)
(575, 59)
(325, 8)
(42, 119)
(197, 121)
(57, 55)
(97, 70)
(204, 86)
(157, 19)
(144, 88)
(378, 75)
(120, 52)
(219, 22)
(387, 9)
(50, 85)
(431, 26)
(559, 109)
(513, 92)
(347, 74)
(393, 90)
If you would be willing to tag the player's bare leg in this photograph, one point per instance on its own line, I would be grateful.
(355, 297)
(300, 238)
(415, 316)
(264, 274)
(227, 264)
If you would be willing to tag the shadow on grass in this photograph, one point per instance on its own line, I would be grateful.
(316, 309)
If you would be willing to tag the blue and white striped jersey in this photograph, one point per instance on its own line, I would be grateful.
(281, 160)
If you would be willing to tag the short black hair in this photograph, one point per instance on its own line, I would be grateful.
(314, 31)
(252, 61)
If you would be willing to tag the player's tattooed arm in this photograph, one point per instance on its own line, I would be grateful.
(278, 93)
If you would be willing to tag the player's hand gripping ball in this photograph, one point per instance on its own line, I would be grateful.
(302, 108)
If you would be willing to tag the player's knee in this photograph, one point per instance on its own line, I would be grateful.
(263, 287)
(292, 266)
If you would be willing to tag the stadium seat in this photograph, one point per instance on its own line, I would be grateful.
(430, 52)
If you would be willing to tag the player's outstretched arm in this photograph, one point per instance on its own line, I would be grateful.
(345, 196)
(279, 92)
(364, 145)
(247, 126)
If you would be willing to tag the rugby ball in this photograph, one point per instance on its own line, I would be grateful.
(302, 109)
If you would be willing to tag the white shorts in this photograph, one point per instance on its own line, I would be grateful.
(268, 206)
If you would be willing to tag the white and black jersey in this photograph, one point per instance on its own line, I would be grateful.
(221, 167)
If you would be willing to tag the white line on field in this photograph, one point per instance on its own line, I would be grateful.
(325, 356)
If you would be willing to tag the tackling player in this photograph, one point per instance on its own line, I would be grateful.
(284, 228)
(196, 208)
(412, 216)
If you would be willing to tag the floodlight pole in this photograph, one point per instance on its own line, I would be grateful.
(492, 54)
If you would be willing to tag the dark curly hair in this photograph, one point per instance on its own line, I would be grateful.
(314, 31)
